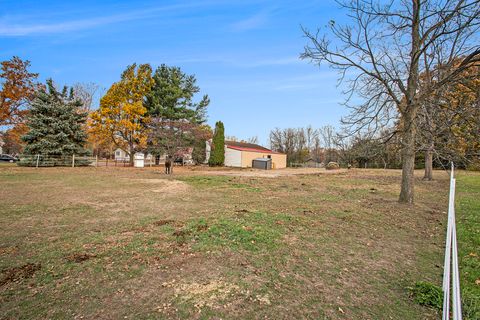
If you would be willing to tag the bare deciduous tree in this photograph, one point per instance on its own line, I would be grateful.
(383, 51)
(449, 119)
(328, 134)
(253, 140)
(86, 92)
(300, 144)
(287, 141)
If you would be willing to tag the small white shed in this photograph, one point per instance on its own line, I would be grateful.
(121, 155)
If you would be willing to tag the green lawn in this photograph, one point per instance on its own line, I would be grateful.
(128, 243)
(468, 237)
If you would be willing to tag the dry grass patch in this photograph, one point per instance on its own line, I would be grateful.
(16, 274)
(228, 243)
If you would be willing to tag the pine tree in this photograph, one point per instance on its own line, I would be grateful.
(55, 124)
(172, 94)
(172, 109)
(217, 154)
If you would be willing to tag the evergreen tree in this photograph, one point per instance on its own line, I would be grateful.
(170, 105)
(198, 153)
(217, 154)
(171, 97)
(55, 124)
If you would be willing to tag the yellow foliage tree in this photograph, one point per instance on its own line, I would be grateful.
(463, 102)
(121, 117)
(449, 121)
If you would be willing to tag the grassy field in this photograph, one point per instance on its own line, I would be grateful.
(468, 234)
(112, 243)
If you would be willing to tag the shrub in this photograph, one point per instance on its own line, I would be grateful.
(470, 305)
(474, 165)
(428, 294)
(332, 166)
(217, 154)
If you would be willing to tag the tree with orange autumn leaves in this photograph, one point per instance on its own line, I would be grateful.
(449, 121)
(18, 87)
(12, 139)
(462, 103)
(121, 117)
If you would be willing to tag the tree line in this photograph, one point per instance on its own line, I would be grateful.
(413, 64)
(401, 59)
(380, 150)
(146, 110)
(302, 144)
(155, 111)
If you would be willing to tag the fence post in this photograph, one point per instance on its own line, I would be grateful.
(38, 159)
(73, 161)
(96, 161)
(451, 272)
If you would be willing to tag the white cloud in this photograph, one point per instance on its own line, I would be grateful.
(273, 62)
(241, 62)
(20, 26)
(7, 29)
(314, 81)
(253, 22)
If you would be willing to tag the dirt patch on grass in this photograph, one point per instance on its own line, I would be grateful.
(206, 294)
(287, 172)
(167, 186)
(8, 250)
(181, 233)
(18, 273)
(80, 257)
(242, 211)
(163, 222)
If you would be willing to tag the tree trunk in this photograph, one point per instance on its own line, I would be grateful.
(410, 110)
(408, 156)
(131, 154)
(408, 167)
(428, 165)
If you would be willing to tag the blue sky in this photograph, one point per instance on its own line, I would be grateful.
(243, 53)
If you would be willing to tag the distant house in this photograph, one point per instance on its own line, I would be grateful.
(242, 154)
(1, 145)
(121, 155)
(183, 156)
(312, 163)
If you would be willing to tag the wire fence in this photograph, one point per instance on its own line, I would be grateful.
(40, 160)
(307, 165)
(109, 162)
(451, 277)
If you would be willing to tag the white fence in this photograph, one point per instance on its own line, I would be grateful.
(77, 161)
(451, 278)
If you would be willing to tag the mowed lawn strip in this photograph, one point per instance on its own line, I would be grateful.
(468, 238)
(111, 243)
